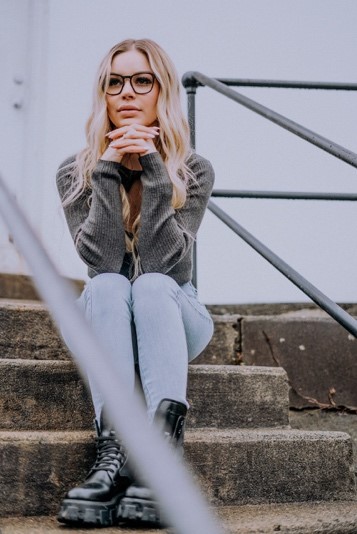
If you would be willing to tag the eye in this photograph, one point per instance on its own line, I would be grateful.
(143, 79)
(115, 82)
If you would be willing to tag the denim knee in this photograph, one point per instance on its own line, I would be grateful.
(107, 282)
(153, 287)
(106, 293)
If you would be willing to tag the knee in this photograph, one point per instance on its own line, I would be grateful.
(153, 286)
(108, 284)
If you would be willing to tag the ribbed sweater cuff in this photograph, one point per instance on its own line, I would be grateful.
(109, 169)
(153, 165)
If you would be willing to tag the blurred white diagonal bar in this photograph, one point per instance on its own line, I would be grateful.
(180, 500)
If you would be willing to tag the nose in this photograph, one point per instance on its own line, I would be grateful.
(127, 88)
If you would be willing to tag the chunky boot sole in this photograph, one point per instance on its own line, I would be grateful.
(92, 513)
(140, 511)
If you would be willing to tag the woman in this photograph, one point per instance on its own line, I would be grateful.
(134, 199)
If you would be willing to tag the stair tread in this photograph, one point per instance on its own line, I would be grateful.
(191, 435)
(199, 368)
(22, 304)
(27, 304)
(272, 434)
(297, 518)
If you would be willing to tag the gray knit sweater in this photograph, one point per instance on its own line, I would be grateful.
(165, 235)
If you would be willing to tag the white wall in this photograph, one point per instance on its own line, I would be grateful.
(13, 40)
(280, 39)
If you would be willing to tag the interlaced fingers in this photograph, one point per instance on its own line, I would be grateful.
(110, 455)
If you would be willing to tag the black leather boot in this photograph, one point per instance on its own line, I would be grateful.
(139, 504)
(95, 502)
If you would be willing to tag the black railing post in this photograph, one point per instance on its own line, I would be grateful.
(191, 112)
(191, 85)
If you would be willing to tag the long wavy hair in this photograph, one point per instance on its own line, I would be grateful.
(173, 142)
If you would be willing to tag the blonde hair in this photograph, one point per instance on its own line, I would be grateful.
(173, 142)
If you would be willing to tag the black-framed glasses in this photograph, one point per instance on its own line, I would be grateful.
(141, 83)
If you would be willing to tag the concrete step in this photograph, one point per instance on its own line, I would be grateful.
(20, 286)
(318, 354)
(269, 465)
(233, 467)
(26, 331)
(330, 420)
(49, 395)
(301, 518)
(17, 286)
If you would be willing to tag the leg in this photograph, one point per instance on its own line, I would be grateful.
(172, 328)
(106, 302)
(162, 347)
(95, 501)
(196, 319)
(139, 503)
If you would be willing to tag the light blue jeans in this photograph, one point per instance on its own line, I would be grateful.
(153, 322)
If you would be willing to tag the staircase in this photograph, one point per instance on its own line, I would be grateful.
(262, 475)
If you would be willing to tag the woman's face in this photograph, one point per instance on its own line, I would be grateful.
(129, 107)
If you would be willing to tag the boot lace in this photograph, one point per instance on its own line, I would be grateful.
(110, 455)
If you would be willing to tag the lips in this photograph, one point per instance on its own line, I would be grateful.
(128, 107)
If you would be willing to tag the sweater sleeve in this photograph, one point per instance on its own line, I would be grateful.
(95, 218)
(167, 235)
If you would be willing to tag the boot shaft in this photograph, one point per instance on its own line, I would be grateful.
(170, 419)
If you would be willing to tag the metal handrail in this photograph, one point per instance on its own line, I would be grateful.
(192, 80)
(296, 278)
(287, 195)
(181, 501)
(279, 84)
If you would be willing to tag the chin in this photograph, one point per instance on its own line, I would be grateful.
(130, 121)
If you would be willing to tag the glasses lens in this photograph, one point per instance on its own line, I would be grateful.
(115, 85)
(142, 82)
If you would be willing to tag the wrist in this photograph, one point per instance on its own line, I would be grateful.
(149, 151)
(112, 154)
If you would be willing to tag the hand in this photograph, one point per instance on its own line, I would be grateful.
(133, 139)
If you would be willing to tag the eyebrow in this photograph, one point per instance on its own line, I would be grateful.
(139, 72)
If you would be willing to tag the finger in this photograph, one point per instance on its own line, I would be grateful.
(134, 146)
(136, 150)
(125, 142)
(123, 129)
(119, 132)
(137, 135)
(133, 150)
(133, 133)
